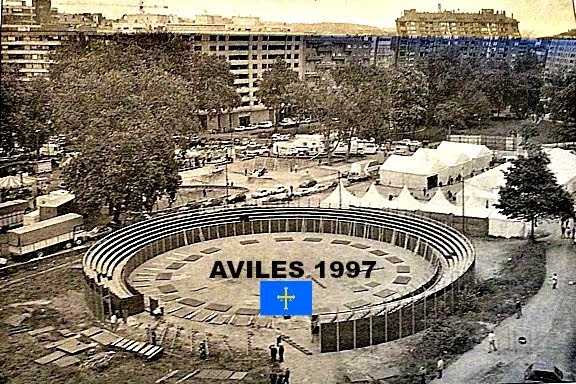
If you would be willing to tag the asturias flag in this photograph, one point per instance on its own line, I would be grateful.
(286, 298)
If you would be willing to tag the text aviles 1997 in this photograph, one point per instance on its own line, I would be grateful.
(281, 269)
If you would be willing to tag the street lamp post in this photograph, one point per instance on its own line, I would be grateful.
(463, 212)
(339, 191)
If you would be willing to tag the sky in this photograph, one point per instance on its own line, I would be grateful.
(536, 17)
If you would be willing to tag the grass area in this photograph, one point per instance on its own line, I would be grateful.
(483, 302)
(63, 288)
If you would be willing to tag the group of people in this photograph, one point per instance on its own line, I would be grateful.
(277, 356)
(567, 231)
(115, 319)
(439, 370)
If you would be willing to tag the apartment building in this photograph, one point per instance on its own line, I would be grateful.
(408, 50)
(485, 23)
(561, 55)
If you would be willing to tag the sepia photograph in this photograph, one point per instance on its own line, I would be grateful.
(288, 192)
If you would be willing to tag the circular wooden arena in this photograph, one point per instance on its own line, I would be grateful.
(169, 258)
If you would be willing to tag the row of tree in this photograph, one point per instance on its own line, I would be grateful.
(444, 89)
(122, 100)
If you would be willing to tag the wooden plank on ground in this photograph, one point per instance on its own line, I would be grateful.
(66, 361)
(91, 331)
(40, 331)
(238, 376)
(50, 358)
(168, 376)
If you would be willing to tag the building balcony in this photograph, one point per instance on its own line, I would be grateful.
(32, 42)
(24, 52)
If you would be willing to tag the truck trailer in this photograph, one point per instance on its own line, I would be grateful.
(11, 213)
(40, 238)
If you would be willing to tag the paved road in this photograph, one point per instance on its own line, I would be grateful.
(548, 322)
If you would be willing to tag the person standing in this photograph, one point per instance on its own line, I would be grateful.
(492, 342)
(554, 279)
(153, 336)
(125, 315)
(273, 378)
(518, 309)
(422, 375)
(278, 339)
(440, 367)
(114, 322)
(280, 353)
(296, 168)
(273, 352)
(287, 376)
(149, 333)
(280, 379)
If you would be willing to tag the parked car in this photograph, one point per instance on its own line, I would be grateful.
(299, 192)
(260, 172)
(288, 122)
(279, 189)
(265, 124)
(541, 372)
(98, 233)
(213, 202)
(241, 128)
(278, 198)
(260, 192)
(236, 198)
(308, 184)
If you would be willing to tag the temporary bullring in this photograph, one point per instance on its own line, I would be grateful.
(395, 302)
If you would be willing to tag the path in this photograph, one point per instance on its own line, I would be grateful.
(548, 323)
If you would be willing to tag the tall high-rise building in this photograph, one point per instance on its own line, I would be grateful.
(485, 23)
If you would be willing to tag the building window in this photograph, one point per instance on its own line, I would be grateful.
(221, 48)
(212, 48)
(254, 57)
(212, 38)
(295, 65)
(255, 47)
(296, 56)
(254, 66)
(197, 47)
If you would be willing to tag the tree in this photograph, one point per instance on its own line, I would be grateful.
(123, 100)
(498, 85)
(408, 99)
(273, 89)
(526, 85)
(128, 170)
(563, 105)
(532, 192)
(25, 113)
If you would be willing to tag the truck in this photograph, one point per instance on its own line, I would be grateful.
(46, 236)
(11, 213)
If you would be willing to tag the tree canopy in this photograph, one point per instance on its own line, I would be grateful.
(25, 110)
(274, 87)
(123, 100)
(532, 191)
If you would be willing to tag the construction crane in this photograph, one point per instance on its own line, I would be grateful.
(142, 6)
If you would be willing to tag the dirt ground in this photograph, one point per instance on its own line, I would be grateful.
(55, 298)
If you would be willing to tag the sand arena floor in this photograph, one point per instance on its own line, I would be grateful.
(179, 279)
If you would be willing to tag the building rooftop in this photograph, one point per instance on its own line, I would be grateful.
(483, 16)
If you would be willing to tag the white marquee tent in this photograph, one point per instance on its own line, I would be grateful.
(455, 162)
(341, 198)
(405, 201)
(479, 155)
(439, 204)
(400, 171)
(563, 164)
(373, 199)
